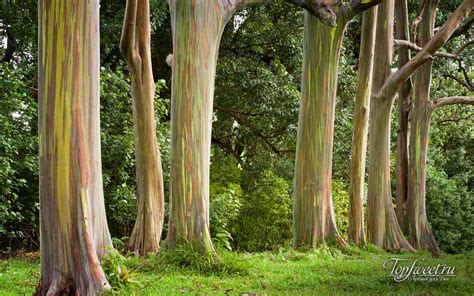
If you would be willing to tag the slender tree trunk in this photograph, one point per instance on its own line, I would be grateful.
(382, 225)
(404, 95)
(73, 225)
(313, 214)
(361, 126)
(420, 234)
(135, 46)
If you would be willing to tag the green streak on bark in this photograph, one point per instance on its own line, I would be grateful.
(313, 215)
(361, 123)
(197, 29)
(73, 230)
(382, 225)
(420, 234)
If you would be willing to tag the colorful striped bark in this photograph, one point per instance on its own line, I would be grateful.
(420, 234)
(135, 46)
(382, 225)
(73, 226)
(361, 127)
(313, 215)
(197, 28)
(404, 95)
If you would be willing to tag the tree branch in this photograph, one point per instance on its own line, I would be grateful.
(417, 20)
(455, 120)
(457, 100)
(464, 46)
(413, 46)
(395, 81)
(358, 6)
(459, 80)
(319, 9)
(464, 27)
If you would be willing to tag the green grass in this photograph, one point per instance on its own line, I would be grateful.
(327, 271)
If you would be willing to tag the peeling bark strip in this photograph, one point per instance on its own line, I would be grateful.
(361, 127)
(313, 215)
(135, 46)
(73, 225)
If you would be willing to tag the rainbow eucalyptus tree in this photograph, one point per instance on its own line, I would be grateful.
(313, 215)
(404, 96)
(355, 231)
(420, 234)
(197, 28)
(383, 229)
(135, 46)
(73, 227)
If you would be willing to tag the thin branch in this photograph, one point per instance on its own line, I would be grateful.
(256, 132)
(464, 46)
(395, 81)
(417, 20)
(459, 80)
(456, 100)
(455, 120)
(464, 72)
(413, 46)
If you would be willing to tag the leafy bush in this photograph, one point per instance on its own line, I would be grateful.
(225, 198)
(265, 219)
(115, 268)
(450, 208)
(340, 198)
(19, 202)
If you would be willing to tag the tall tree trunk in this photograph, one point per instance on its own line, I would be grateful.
(73, 226)
(420, 234)
(361, 126)
(314, 221)
(197, 28)
(313, 214)
(135, 46)
(404, 95)
(382, 225)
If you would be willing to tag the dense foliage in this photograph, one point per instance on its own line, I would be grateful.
(254, 129)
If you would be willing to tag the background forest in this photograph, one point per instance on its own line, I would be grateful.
(254, 128)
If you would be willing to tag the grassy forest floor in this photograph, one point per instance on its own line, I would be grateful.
(326, 271)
